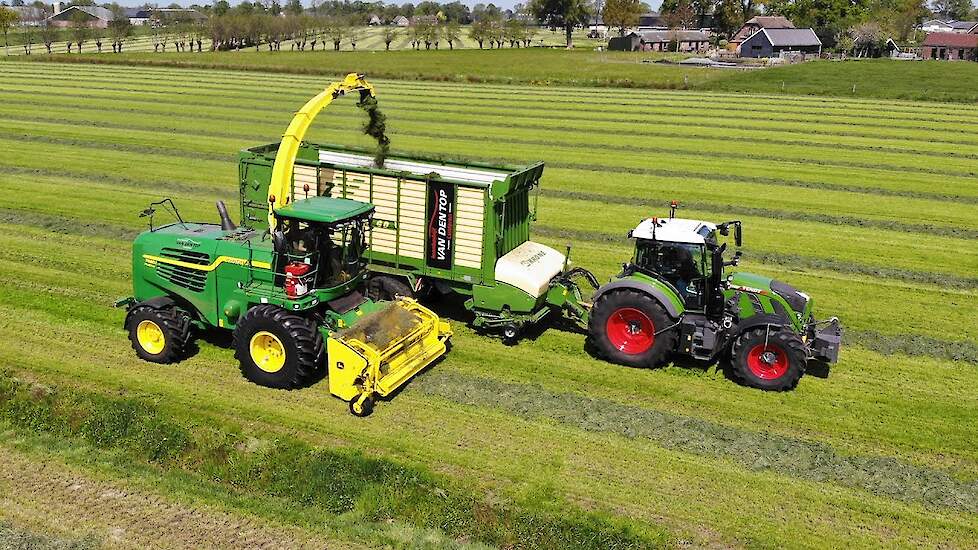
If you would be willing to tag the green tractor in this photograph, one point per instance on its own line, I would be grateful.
(293, 291)
(675, 298)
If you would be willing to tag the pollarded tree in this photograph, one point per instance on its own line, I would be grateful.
(7, 19)
(336, 30)
(622, 14)
(390, 35)
(478, 31)
(565, 14)
(49, 35)
(80, 30)
(451, 31)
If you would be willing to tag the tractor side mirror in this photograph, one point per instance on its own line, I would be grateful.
(738, 237)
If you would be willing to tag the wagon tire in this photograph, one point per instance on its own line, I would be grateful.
(770, 359)
(386, 288)
(631, 328)
(159, 335)
(277, 348)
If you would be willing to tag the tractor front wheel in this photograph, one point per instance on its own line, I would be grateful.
(768, 358)
(160, 335)
(631, 328)
(277, 348)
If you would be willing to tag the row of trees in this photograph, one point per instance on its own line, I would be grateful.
(80, 33)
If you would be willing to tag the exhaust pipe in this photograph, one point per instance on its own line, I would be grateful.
(226, 223)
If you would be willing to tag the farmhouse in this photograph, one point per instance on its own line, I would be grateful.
(674, 40)
(935, 25)
(94, 16)
(138, 16)
(965, 27)
(771, 42)
(950, 46)
(757, 23)
(401, 21)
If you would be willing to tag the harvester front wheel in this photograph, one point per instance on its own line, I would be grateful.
(277, 348)
(159, 335)
(768, 358)
(631, 328)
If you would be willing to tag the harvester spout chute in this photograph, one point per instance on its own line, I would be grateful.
(383, 351)
(279, 188)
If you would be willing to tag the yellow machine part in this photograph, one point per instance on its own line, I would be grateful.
(358, 367)
(281, 182)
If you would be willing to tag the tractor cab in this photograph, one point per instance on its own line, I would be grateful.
(319, 244)
(686, 255)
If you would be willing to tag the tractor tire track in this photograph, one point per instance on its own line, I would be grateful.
(758, 451)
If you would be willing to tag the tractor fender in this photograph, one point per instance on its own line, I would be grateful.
(656, 293)
(765, 319)
(160, 302)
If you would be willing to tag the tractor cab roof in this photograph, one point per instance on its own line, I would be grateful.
(324, 210)
(675, 230)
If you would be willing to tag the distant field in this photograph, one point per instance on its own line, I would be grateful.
(870, 206)
(883, 78)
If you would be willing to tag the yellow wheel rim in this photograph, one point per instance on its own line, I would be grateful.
(150, 337)
(267, 351)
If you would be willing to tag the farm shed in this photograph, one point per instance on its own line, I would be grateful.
(950, 46)
(631, 42)
(771, 42)
(96, 17)
(401, 21)
(671, 41)
(935, 25)
(757, 23)
(966, 27)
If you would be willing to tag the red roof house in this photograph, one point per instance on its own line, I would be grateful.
(950, 45)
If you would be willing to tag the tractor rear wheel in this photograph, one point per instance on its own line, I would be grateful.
(277, 348)
(631, 328)
(160, 335)
(768, 359)
(385, 288)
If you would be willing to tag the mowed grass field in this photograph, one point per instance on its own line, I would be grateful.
(869, 206)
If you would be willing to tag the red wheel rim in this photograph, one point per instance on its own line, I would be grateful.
(767, 362)
(630, 331)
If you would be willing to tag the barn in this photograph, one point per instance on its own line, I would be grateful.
(771, 42)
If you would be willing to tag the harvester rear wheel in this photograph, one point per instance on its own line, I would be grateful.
(160, 335)
(768, 358)
(631, 328)
(277, 348)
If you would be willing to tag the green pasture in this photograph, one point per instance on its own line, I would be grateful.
(868, 205)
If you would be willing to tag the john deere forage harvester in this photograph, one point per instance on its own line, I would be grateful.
(292, 292)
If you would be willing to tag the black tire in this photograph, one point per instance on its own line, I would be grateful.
(384, 288)
(300, 341)
(645, 309)
(366, 407)
(174, 329)
(511, 334)
(777, 367)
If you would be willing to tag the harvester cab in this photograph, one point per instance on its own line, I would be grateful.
(675, 297)
(293, 294)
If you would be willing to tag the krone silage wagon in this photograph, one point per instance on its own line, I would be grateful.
(451, 226)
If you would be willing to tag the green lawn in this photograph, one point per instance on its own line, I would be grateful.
(868, 205)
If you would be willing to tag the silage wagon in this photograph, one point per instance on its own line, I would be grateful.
(450, 226)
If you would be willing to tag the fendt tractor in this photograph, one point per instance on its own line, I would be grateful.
(293, 294)
(673, 298)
